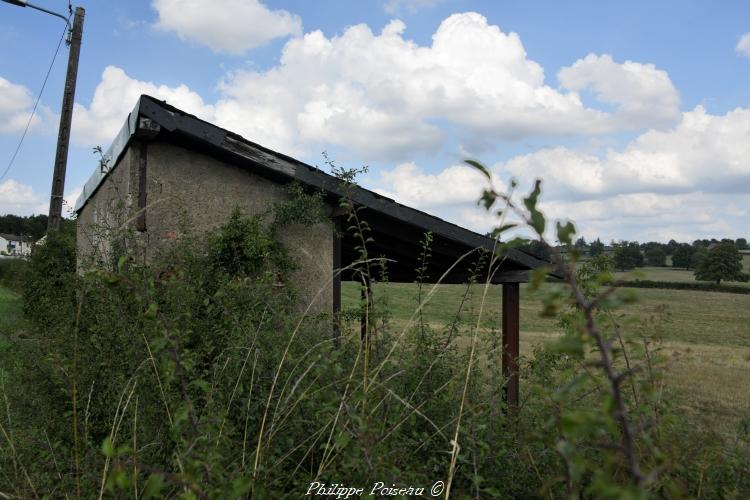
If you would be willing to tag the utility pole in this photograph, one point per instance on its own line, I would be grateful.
(66, 116)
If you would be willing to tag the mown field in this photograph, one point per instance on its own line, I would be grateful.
(676, 275)
(705, 337)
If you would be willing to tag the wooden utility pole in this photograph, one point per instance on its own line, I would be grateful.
(66, 115)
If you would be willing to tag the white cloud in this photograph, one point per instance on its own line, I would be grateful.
(16, 102)
(655, 216)
(743, 46)
(702, 152)
(411, 185)
(382, 96)
(17, 198)
(644, 95)
(69, 201)
(396, 6)
(687, 182)
(232, 26)
(115, 97)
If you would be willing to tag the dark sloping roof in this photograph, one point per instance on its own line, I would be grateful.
(397, 229)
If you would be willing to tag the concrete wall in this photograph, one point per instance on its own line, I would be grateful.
(105, 215)
(187, 189)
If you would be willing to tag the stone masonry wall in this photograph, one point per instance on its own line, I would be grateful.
(188, 189)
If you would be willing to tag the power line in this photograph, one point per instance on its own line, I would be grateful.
(36, 103)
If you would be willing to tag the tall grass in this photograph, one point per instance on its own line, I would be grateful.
(206, 383)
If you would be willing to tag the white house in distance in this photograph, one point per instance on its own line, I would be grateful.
(16, 246)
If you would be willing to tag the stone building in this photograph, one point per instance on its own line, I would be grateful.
(165, 166)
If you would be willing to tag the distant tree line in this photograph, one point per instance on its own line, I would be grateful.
(711, 260)
(31, 226)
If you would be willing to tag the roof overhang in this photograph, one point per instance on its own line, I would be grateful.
(396, 229)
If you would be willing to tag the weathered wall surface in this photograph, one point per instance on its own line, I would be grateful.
(103, 218)
(186, 189)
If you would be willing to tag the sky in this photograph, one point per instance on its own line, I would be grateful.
(635, 115)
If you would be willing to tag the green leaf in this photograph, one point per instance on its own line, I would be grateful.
(110, 278)
(343, 440)
(568, 344)
(107, 447)
(565, 232)
(480, 167)
(241, 486)
(531, 200)
(121, 262)
(152, 310)
(202, 385)
(578, 423)
(158, 344)
(153, 487)
(538, 223)
(538, 276)
(487, 199)
(500, 230)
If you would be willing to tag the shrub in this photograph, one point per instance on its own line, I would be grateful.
(49, 283)
(12, 273)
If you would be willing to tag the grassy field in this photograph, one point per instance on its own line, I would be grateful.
(705, 346)
(678, 275)
(706, 335)
(672, 274)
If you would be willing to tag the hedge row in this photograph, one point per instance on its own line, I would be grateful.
(702, 286)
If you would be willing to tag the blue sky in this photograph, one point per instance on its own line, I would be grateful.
(635, 114)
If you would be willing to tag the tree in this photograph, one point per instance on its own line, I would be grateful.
(671, 247)
(628, 256)
(741, 243)
(701, 243)
(537, 249)
(723, 262)
(32, 226)
(699, 255)
(580, 243)
(596, 248)
(655, 256)
(682, 255)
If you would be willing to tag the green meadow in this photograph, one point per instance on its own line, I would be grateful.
(703, 338)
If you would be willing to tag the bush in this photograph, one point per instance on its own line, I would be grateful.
(12, 273)
(48, 289)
